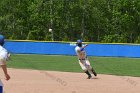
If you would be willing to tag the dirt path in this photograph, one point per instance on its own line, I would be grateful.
(34, 81)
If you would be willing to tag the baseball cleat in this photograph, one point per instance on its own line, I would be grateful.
(95, 74)
(93, 71)
(89, 77)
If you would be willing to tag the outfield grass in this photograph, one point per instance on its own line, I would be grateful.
(103, 65)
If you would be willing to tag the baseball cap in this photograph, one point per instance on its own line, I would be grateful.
(79, 41)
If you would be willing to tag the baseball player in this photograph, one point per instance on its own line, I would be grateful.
(4, 55)
(83, 60)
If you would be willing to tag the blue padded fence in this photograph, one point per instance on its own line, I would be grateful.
(57, 48)
(39, 48)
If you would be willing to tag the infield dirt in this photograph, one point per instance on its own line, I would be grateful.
(36, 81)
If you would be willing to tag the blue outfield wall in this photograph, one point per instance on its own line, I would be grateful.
(39, 48)
(57, 48)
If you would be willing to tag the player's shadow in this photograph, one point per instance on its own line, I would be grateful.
(95, 78)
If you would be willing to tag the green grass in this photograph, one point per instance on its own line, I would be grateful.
(103, 65)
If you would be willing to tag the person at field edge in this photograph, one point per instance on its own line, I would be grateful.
(83, 60)
(4, 55)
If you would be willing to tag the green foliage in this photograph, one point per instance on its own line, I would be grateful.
(113, 39)
(90, 20)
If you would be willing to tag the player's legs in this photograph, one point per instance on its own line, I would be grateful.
(89, 67)
(82, 64)
(2, 61)
(4, 67)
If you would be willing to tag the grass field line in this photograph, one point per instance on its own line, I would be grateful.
(103, 65)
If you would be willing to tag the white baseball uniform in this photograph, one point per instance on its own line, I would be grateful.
(82, 57)
(3, 55)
